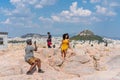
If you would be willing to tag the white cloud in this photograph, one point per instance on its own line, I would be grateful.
(104, 11)
(15, 1)
(18, 3)
(111, 3)
(47, 2)
(45, 19)
(106, 7)
(85, 16)
(79, 11)
(101, 10)
(74, 14)
(95, 19)
(84, 1)
(42, 3)
(7, 21)
(111, 13)
(38, 6)
(114, 4)
(94, 1)
(5, 12)
(55, 18)
(23, 22)
(46, 22)
(21, 15)
(34, 3)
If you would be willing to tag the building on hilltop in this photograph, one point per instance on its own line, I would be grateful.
(3, 40)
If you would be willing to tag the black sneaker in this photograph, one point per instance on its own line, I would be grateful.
(29, 73)
(40, 71)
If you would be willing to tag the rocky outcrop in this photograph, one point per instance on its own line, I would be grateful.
(114, 62)
(83, 63)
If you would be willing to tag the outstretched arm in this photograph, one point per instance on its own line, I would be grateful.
(35, 46)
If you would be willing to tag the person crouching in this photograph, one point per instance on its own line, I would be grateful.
(29, 57)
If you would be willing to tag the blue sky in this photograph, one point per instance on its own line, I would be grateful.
(18, 17)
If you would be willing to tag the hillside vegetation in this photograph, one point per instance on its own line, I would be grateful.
(87, 35)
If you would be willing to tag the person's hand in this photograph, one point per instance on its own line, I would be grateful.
(34, 42)
(59, 47)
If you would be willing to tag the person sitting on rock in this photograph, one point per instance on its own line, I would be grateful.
(29, 57)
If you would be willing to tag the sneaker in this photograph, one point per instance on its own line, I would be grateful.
(29, 73)
(40, 71)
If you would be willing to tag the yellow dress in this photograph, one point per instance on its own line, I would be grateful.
(65, 45)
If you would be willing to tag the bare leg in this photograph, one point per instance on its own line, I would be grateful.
(32, 66)
(63, 55)
(39, 64)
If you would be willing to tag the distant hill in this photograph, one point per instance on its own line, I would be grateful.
(35, 35)
(87, 35)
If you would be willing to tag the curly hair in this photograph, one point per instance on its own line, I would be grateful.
(64, 36)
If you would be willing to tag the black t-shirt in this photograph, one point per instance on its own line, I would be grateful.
(49, 37)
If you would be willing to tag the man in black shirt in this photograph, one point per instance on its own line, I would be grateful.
(49, 40)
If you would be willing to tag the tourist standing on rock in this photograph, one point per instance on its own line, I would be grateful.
(64, 45)
(49, 40)
(29, 57)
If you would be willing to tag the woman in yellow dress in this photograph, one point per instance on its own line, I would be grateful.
(64, 45)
